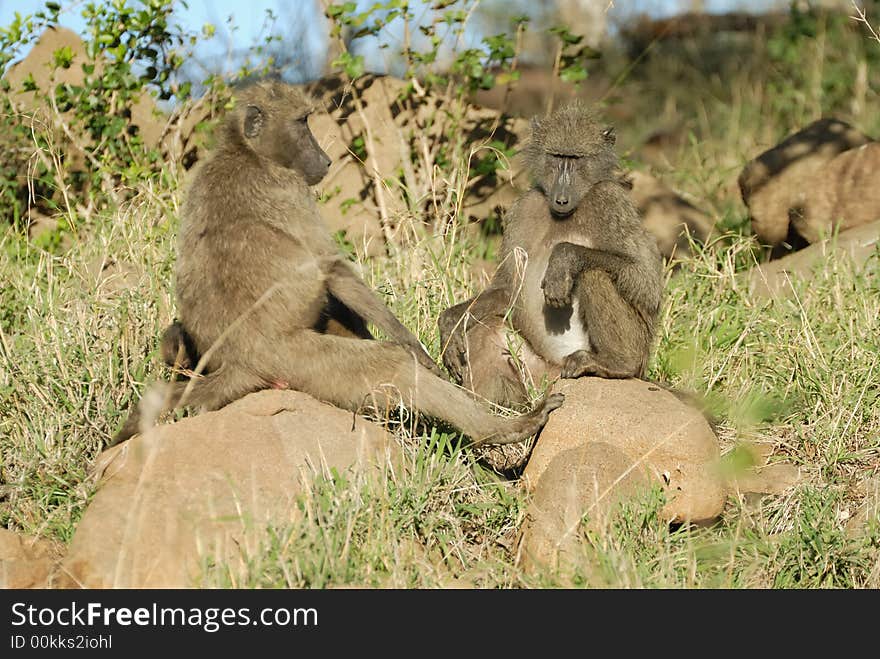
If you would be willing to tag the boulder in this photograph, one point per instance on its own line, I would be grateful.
(38, 66)
(774, 278)
(667, 215)
(374, 137)
(205, 488)
(26, 561)
(670, 441)
(772, 183)
(589, 479)
(661, 147)
(842, 195)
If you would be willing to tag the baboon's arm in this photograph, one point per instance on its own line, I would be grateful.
(347, 287)
(631, 277)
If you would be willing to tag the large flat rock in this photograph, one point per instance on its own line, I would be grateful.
(206, 487)
(579, 484)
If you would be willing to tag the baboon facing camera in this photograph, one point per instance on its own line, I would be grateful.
(579, 278)
(260, 282)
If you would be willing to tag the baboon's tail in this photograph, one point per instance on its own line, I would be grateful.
(211, 391)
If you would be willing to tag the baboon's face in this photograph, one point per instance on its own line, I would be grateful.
(566, 178)
(569, 153)
(284, 136)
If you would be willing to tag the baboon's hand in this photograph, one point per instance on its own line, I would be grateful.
(557, 286)
(455, 354)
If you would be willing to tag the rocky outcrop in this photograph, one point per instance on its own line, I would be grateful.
(773, 185)
(205, 488)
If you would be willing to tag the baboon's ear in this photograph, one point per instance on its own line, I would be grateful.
(253, 121)
(609, 135)
(534, 124)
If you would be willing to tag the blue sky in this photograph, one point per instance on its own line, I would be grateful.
(249, 17)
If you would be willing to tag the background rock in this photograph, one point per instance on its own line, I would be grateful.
(37, 64)
(843, 194)
(348, 192)
(672, 441)
(667, 215)
(771, 183)
(773, 278)
(206, 487)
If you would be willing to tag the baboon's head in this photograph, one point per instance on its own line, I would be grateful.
(569, 152)
(272, 120)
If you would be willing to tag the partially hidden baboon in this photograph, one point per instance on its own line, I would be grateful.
(260, 280)
(579, 277)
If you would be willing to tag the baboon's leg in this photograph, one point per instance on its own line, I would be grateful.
(347, 287)
(352, 373)
(177, 347)
(455, 323)
(619, 337)
(211, 391)
(338, 319)
(500, 366)
(488, 368)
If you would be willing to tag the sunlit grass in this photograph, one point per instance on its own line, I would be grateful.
(797, 376)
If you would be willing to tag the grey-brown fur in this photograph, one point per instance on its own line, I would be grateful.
(574, 250)
(260, 281)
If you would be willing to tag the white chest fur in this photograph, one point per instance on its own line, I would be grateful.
(564, 331)
(558, 332)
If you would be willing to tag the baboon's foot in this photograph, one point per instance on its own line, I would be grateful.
(528, 424)
(584, 362)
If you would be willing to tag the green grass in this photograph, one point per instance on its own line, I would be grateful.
(798, 377)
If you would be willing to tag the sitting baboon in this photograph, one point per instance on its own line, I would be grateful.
(579, 276)
(260, 279)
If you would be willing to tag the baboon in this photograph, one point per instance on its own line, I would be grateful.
(260, 281)
(579, 276)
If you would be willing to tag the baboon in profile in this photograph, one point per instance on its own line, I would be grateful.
(579, 276)
(260, 280)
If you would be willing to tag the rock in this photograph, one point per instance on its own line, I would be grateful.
(667, 215)
(773, 279)
(26, 561)
(39, 224)
(589, 479)
(867, 516)
(109, 277)
(842, 195)
(37, 65)
(660, 147)
(771, 183)
(672, 441)
(349, 201)
(206, 487)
